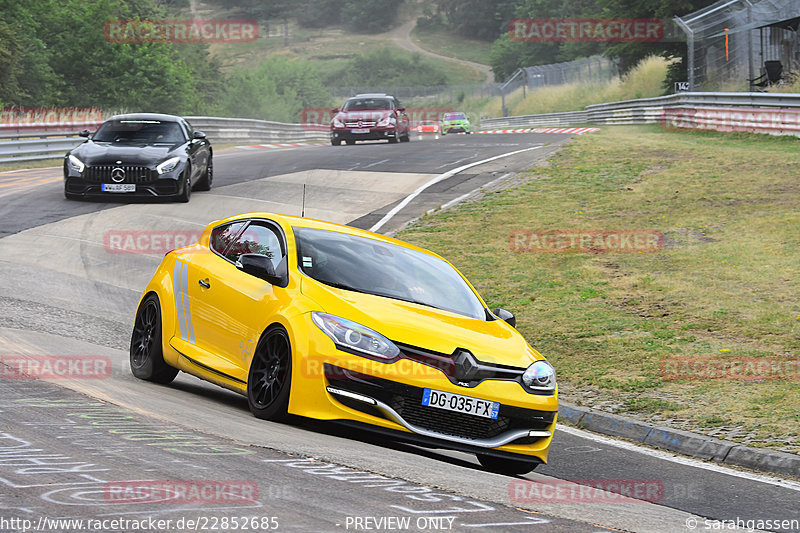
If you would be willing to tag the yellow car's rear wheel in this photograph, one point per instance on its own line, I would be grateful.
(269, 379)
(146, 356)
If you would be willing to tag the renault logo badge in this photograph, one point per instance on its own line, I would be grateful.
(466, 366)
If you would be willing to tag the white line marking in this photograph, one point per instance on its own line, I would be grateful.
(396, 209)
(454, 162)
(666, 456)
(376, 163)
(532, 521)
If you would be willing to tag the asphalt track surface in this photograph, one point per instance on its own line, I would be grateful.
(68, 447)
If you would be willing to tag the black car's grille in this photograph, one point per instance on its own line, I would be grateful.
(449, 422)
(118, 174)
(406, 400)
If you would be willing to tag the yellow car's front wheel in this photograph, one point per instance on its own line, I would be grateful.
(270, 375)
(146, 355)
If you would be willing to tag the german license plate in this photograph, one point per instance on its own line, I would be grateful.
(359, 131)
(460, 404)
(119, 187)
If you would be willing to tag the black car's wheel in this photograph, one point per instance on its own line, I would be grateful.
(406, 138)
(336, 142)
(70, 195)
(147, 359)
(268, 381)
(204, 184)
(186, 177)
(350, 142)
(394, 139)
(501, 465)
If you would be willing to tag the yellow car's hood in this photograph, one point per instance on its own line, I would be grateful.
(491, 341)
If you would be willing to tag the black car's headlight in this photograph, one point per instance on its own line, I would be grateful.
(168, 165)
(540, 376)
(75, 164)
(338, 123)
(354, 336)
(386, 121)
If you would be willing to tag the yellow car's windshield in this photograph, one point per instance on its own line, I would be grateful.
(366, 265)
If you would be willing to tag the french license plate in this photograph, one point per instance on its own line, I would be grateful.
(460, 404)
(119, 187)
(360, 131)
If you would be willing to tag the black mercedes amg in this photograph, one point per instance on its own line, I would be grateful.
(142, 155)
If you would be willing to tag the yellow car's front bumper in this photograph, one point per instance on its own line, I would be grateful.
(332, 384)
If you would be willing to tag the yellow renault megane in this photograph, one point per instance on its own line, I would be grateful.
(335, 323)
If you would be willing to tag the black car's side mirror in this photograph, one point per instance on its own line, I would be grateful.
(259, 266)
(401, 109)
(84, 133)
(199, 135)
(335, 110)
(508, 316)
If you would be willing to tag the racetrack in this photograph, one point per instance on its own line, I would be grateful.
(65, 290)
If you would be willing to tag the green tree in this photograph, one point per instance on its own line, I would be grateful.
(384, 67)
(478, 19)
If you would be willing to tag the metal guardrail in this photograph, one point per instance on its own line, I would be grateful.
(751, 110)
(548, 120)
(776, 113)
(21, 143)
(251, 131)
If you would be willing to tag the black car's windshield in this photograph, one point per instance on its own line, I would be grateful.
(373, 267)
(367, 103)
(139, 132)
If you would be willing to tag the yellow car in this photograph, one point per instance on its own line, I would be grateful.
(335, 323)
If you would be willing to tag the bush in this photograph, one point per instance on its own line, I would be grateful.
(278, 89)
(384, 67)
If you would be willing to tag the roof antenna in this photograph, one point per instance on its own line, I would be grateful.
(303, 208)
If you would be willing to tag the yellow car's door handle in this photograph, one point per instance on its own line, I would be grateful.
(204, 283)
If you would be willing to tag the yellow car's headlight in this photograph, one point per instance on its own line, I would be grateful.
(354, 337)
(540, 376)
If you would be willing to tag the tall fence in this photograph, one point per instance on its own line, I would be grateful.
(730, 41)
(590, 69)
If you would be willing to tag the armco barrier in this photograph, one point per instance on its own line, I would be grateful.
(33, 142)
(773, 113)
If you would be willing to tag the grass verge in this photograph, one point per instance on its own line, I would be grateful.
(724, 285)
(643, 81)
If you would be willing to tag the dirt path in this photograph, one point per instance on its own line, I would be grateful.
(402, 36)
